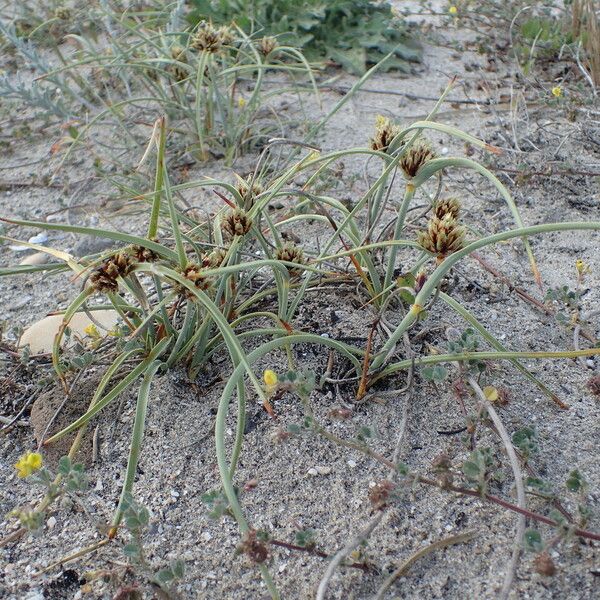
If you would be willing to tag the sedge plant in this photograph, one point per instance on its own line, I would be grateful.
(184, 290)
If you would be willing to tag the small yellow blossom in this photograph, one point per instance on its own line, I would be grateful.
(270, 378)
(28, 464)
(582, 267)
(314, 155)
(491, 393)
(453, 10)
(92, 331)
(416, 309)
(557, 91)
(241, 102)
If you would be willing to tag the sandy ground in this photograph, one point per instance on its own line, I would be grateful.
(178, 463)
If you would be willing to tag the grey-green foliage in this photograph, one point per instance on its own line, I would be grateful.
(352, 33)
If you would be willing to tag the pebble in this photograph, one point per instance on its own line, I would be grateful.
(92, 245)
(314, 471)
(21, 303)
(590, 363)
(51, 522)
(206, 536)
(352, 464)
(38, 258)
(40, 238)
(174, 494)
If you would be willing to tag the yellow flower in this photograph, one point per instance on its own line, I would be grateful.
(582, 267)
(557, 91)
(416, 309)
(28, 464)
(241, 102)
(453, 10)
(92, 331)
(270, 378)
(491, 393)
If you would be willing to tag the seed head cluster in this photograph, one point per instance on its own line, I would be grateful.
(447, 206)
(179, 58)
(104, 278)
(415, 157)
(193, 273)
(214, 259)
(385, 132)
(236, 222)
(444, 235)
(267, 45)
(141, 254)
(208, 38)
(248, 190)
(291, 253)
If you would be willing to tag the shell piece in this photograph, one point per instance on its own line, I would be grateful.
(40, 335)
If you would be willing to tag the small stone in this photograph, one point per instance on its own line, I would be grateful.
(590, 363)
(40, 335)
(38, 258)
(51, 522)
(92, 245)
(24, 301)
(206, 536)
(313, 472)
(352, 464)
(40, 238)
(174, 494)
(323, 470)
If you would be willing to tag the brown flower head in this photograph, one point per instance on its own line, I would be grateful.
(447, 206)
(385, 132)
(142, 254)
(289, 252)
(443, 236)
(236, 222)
(214, 259)
(415, 157)
(104, 278)
(193, 273)
(175, 68)
(248, 190)
(208, 38)
(266, 45)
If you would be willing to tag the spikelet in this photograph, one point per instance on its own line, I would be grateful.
(415, 157)
(214, 259)
(289, 252)
(447, 206)
(385, 132)
(442, 237)
(104, 278)
(236, 222)
(248, 190)
(208, 38)
(193, 273)
(266, 45)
